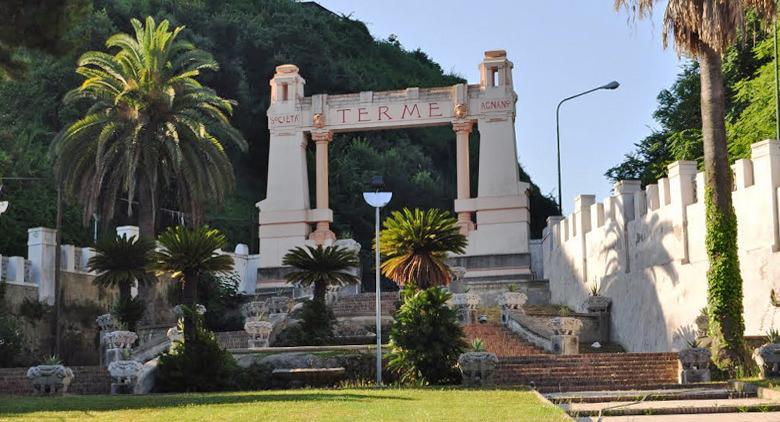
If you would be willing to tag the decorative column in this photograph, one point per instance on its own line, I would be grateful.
(462, 131)
(321, 140)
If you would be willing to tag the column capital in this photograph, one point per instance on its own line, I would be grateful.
(322, 136)
(462, 125)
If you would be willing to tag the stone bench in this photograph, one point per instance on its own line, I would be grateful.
(308, 376)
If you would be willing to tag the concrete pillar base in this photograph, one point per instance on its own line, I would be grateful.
(323, 235)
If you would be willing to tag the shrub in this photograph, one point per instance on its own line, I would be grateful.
(199, 364)
(315, 328)
(128, 311)
(11, 340)
(426, 339)
(219, 294)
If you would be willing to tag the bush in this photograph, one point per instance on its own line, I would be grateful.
(128, 312)
(426, 339)
(197, 365)
(11, 341)
(315, 328)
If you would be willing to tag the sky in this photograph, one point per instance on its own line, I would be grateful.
(559, 48)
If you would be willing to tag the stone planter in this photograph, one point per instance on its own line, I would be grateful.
(178, 310)
(477, 368)
(466, 305)
(50, 379)
(255, 310)
(259, 333)
(124, 374)
(768, 359)
(601, 305)
(598, 303)
(509, 302)
(119, 343)
(565, 339)
(694, 365)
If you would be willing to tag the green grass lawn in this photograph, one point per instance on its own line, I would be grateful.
(354, 405)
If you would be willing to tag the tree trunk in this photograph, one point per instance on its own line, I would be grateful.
(124, 292)
(189, 299)
(147, 230)
(319, 291)
(727, 326)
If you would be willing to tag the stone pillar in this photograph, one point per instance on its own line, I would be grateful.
(462, 131)
(41, 251)
(322, 233)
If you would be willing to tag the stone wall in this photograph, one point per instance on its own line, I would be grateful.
(86, 380)
(646, 251)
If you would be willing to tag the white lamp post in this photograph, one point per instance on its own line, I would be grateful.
(3, 206)
(378, 200)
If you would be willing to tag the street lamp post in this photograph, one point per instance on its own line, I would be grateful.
(611, 85)
(378, 200)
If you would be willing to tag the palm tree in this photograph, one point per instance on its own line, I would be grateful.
(187, 255)
(321, 267)
(151, 127)
(416, 243)
(121, 262)
(704, 30)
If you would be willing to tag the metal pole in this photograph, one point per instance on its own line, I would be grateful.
(58, 275)
(777, 85)
(558, 143)
(378, 294)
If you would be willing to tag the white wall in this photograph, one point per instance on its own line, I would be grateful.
(646, 250)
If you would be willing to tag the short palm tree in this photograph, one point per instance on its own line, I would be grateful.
(321, 267)
(704, 30)
(415, 244)
(121, 262)
(151, 127)
(187, 255)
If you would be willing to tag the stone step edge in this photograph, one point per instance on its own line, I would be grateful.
(687, 410)
(666, 396)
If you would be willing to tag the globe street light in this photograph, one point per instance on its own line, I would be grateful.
(611, 85)
(378, 200)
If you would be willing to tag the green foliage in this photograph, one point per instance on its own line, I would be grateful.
(128, 311)
(321, 267)
(315, 327)
(146, 94)
(196, 364)
(33, 310)
(724, 287)
(773, 336)
(52, 360)
(11, 340)
(415, 244)
(477, 345)
(121, 262)
(426, 339)
(749, 79)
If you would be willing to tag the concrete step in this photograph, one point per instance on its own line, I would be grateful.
(708, 417)
(684, 392)
(672, 407)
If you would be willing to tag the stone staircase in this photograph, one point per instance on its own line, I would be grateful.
(588, 372)
(499, 340)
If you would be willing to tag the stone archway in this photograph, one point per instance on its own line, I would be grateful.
(496, 221)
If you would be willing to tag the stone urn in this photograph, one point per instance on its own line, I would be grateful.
(178, 310)
(255, 310)
(124, 374)
(768, 359)
(259, 333)
(50, 379)
(598, 303)
(466, 305)
(118, 343)
(694, 364)
(565, 339)
(477, 368)
(511, 302)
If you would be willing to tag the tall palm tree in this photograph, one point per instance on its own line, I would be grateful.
(151, 127)
(704, 30)
(321, 267)
(416, 243)
(120, 262)
(187, 255)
